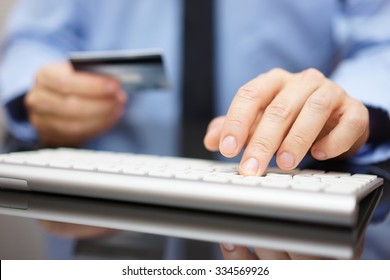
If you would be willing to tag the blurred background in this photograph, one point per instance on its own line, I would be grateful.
(20, 238)
(5, 6)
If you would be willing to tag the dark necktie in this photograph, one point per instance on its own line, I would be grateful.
(197, 93)
(198, 76)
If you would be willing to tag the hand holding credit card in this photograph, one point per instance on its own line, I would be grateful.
(136, 70)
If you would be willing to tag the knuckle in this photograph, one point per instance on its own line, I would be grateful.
(72, 107)
(334, 90)
(236, 120)
(338, 148)
(357, 122)
(63, 86)
(49, 76)
(365, 113)
(262, 145)
(276, 72)
(44, 74)
(300, 139)
(330, 147)
(278, 112)
(312, 74)
(320, 101)
(248, 94)
(40, 77)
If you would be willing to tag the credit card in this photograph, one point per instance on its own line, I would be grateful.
(136, 70)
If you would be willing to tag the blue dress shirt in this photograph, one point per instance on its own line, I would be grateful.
(349, 41)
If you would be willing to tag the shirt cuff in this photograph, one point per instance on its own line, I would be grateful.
(17, 120)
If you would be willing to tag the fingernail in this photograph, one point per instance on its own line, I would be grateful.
(318, 154)
(229, 145)
(250, 166)
(228, 246)
(286, 160)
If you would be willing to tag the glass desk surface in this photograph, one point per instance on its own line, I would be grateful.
(305, 238)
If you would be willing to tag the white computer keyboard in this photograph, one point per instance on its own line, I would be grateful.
(202, 184)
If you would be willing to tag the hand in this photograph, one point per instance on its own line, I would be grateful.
(67, 230)
(233, 252)
(289, 114)
(68, 108)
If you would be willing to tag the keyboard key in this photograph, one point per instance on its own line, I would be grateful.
(341, 188)
(188, 176)
(133, 171)
(306, 178)
(345, 181)
(81, 166)
(282, 184)
(307, 186)
(161, 173)
(365, 176)
(14, 159)
(109, 168)
(247, 180)
(36, 162)
(216, 179)
(60, 164)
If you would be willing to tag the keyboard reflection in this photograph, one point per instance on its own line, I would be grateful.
(305, 238)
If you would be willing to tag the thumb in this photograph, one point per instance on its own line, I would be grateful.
(211, 140)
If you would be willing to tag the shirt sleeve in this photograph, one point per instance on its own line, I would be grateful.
(38, 33)
(362, 36)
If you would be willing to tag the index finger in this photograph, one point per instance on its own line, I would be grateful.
(62, 78)
(250, 100)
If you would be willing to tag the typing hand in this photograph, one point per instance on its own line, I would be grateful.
(289, 114)
(68, 108)
(67, 230)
